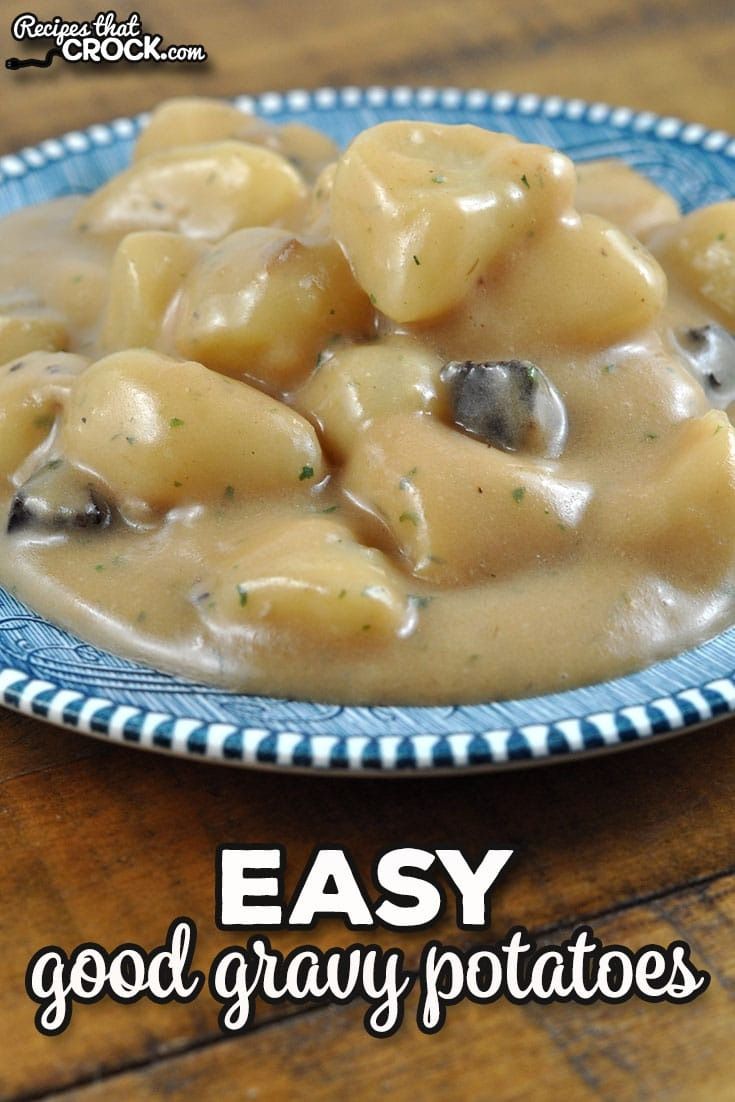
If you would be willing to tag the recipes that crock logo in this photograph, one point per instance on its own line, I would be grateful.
(105, 38)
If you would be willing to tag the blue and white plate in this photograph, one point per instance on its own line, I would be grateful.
(48, 673)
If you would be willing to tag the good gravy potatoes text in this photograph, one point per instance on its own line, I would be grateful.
(412, 882)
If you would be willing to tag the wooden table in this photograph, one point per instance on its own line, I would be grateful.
(107, 844)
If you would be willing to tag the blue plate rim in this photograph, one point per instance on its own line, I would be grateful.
(566, 737)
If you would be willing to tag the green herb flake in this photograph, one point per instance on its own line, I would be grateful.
(409, 518)
(721, 236)
(608, 369)
(518, 494)
(650, 436)
(306, 472)
(330, 509)
(242, 594)
(99, 567)
(53, 465)
(175, 423)
(229, 492)
(342, 593)
(366, 627)
(178, 485)
(416, 261)
(439, 179)
(373, 299)
(142, 616)
(524, 180)
(130, 440)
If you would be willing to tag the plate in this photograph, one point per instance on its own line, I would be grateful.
(48, 673)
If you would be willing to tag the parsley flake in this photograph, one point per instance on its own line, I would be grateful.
(175, 423)
(518, 494)
(243, 595)
(306, 472)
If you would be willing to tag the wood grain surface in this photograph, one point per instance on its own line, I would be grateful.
(108, 844)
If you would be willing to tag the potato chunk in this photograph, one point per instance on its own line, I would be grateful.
(22, 334)
(699, 252)
(310, 577)
(191, 120)
(623, 196)
(200, 190)
(33, 390)
(264, 303)
(356, 384)
(163, 432)
(147, 271)
(581, 282)
(457, 509)
(682, 515)
(422, 209)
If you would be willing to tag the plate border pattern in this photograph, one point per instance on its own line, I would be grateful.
(261, 746)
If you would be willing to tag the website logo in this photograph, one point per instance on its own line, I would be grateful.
(104, 39)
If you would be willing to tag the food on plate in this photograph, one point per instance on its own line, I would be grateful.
(436, 419)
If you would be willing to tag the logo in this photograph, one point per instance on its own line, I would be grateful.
(102, 39)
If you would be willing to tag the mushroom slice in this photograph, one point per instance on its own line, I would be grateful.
(510, 404)
(710, 352)
(58, 496)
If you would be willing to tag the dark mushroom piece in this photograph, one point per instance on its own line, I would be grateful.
(710, 353)
(57, 496)
(510, 404)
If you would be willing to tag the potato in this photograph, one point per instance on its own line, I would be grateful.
(699, 252)
(623, 196)
(457, 509)
(33, 390)
(582, 282)
(682, 514)
(22, 334)
(307, 149)
(147, 271)
(422, 209)
(200, 190)
(354, 385)
(311, 577)
(191, 120)
(264, 303)
(163, 432)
